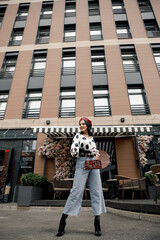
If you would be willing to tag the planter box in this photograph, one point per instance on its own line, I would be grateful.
(151, 192)
(27, 194)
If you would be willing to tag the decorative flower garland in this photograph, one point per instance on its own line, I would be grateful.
(59, 150)
(143, 146)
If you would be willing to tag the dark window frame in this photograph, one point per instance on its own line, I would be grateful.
(28, 112)
(67, 111)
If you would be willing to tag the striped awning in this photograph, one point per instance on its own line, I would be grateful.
(70, 131)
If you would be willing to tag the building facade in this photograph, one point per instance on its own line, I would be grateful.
(64, 59)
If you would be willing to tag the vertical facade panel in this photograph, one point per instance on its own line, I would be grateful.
(30, 31)
(7, 24)
(135, 19)
(150, 76)
(51, 87)
(117, 83)
(57, 26)
(107, 20)
(84, 89)
(39, 161)
(1, 59)
(82, 21)
(156, 8)
(19, 85)
(126, 157)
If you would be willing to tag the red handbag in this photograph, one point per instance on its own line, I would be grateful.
(92, 164)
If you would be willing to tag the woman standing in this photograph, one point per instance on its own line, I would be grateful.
(83, 143)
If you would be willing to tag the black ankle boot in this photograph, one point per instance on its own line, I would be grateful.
(97, 226)
(62, 225)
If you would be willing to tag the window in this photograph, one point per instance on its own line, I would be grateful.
(93, 7)
(43, 34)
(130, 61)
(156, 53)
(144, 5)
(2, 13)
(118, 6)
(136, 90)
(38, 63)
(101, 102)
(47, 9)
(152, 28)
(95, 31)
(32, 105)
(27, 157)
(98, 60)
(69, 33)
(9, 65)
(23, 11)
(123, 30)
(16, 37)
(67, 103)
(70, 9)
(3, 104)
(138, 101)
(29, 145)
(68, 61)
(149, 19)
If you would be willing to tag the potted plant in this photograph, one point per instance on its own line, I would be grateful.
(150, 184)
(31, 188)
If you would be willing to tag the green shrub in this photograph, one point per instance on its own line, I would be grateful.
(33, 179)
(150, 179)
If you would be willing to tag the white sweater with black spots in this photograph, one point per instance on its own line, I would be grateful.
(81, 142)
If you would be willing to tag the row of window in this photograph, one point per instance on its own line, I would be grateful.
(102, 107)
(120, 16)
(67, 100)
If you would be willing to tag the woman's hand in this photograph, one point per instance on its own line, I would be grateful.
(97, 157)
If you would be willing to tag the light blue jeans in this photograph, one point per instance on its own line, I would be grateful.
(74, 201)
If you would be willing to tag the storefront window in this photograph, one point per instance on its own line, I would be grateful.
(27, 157)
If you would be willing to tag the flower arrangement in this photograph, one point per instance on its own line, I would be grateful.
(59, 150)
(143, 146)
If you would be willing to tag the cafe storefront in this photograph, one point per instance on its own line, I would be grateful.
(19, 152)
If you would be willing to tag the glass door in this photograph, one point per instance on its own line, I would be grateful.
(7, 173)
(5, 155)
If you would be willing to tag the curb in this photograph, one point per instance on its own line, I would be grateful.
(129, 214)
(135, 215)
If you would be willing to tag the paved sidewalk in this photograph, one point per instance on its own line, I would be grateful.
(38, 223)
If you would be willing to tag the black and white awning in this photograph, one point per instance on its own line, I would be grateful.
(68, 131)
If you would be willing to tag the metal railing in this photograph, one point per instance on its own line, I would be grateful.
(68, 71)
(15, 42)
(46, 16)
(69, 39)
(21, 18)
(131, 68)
(37, 72)
(94, 12)
(99, 69)
(158, 67)
(67, 112)
(140, 109)
(153, 34)
(6, 74)
(96, 37)
(71, 14)
(31, 113)
(119, 11)
(124, 35)
(102, 111)
(2, 113)
(145, 9)
(42, 40)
